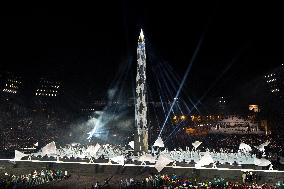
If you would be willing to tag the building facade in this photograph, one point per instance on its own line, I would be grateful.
(46, 94)
(274, 82)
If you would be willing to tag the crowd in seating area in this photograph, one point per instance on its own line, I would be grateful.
(22, 127)
(174, 181)
(35, 178)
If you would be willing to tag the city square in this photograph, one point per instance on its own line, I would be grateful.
(143, 106)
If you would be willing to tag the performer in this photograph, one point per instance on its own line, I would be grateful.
(271, 167)
(214, 165)
(244, 176)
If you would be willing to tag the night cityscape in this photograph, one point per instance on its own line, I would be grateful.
(139, 94)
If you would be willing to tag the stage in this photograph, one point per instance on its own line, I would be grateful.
(137, 171)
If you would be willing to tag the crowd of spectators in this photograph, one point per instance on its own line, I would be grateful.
(22, 127)
(173, 181)
(10, 181)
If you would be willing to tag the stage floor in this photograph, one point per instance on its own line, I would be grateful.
(101, 171)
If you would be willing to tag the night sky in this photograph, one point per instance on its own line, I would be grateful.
(85, 45)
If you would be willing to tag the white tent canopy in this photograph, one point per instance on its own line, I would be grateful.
(49, 149)
(261, 162)
(162, 162)
(19, 155)
(159, 142)
(244, 147)
(131, 144)
(196, 144)
(205, 160)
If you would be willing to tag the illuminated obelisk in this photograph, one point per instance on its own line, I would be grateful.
(141, 135)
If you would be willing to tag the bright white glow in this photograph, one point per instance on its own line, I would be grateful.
(159, 142)
(275, 90)
(271, 80)
(131, 144)
(141, 36)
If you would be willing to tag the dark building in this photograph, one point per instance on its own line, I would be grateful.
(46, 94)
(221, 104)
(275, 83)
(274, 98)
(10, 84)
(47, 88)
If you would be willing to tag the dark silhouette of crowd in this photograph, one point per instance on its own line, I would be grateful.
(22, 126)
(173, 181)
(10, 181)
